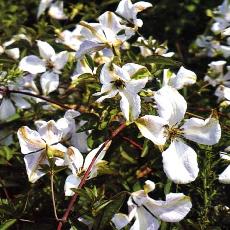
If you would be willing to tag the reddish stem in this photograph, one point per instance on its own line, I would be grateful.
(134, 143)
(85, 176)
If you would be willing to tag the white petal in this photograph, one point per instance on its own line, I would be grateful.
(224, 177)
(13, 53)
(88, 47)
(59, 60)
(170, 104)
(140, 6)
(223, 92)
(135, 86)
(180, 163)
(130, 105)
(144, 220)
(56, 11)
(174, 209)
(46, 50)
(20, 102)
(50, 132)
(111, 21)
(183, 78)
(44, 4)
(149, 186)
(75, 159)
(79, 140)
(30, 140)
(152, 128)
(125, 9)
(72, 181)
(207, 132)
(7, 109)
(49, 82)
(70, 114)
(90, 157)
(110, 94)
(32, 162)
(32, 64)
(120, 220)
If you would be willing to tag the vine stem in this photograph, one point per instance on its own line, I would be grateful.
(53, 196)
(6, 90)
(85, 176)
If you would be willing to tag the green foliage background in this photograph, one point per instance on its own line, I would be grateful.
(30, 206)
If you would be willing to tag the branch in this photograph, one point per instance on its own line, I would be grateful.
(85, 176)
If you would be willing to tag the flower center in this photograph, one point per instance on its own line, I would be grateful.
(49, 64)
(173, 132)
(119, 84)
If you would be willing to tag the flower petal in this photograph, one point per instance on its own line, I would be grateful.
(207, 132)
(49, 82)
(130, 105)
(32, 64)
(44, 4)
(180, 163)
(170, 105)
(7, 109)
(224, 177)
(59, 60)
(32, 162)
(50, 133)
(46, 50)
(72, 181)
(20, 102)
(30, 140)
(120, 220)
(57, 11)
(174, 209)
(152, 128)
(90, 157)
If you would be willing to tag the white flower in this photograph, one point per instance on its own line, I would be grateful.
(183, 78)
(224, 177)
(39, 146)
(118, 80)
(129, 11)
(179, 160)
(55, 9)
(148, 212)
(50, 62)
(79, 166)
(103, 35)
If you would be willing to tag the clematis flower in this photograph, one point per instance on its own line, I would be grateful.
(129, 11)
(183, 78)
(78, 166)
(222, 21)
(106, 35)
(50, 65)
(118, 80)
(224, 177)
(56, 10)
(9, 101)
(148, 212)
(179, 160)
(39, 146)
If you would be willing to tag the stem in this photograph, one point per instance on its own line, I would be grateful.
(4, 189)
(194, 115)
(36, 96)
(85, 176)
(134, 143)
(53, 196)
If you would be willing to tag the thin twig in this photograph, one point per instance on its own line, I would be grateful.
(53, 196)
(85, 176)
(134, 143)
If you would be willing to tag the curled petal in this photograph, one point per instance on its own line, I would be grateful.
(152, 128)
(180, 163)
(207, 132)
(72, 181)
(30, 140)
(130, 105)
(174, 209)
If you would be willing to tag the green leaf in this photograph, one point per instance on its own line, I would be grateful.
(145, 148)
(7, 224)
(157, 59)
(141, 73)
(90, 61)
(103, 219)
(167, 187)
(6, 152)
